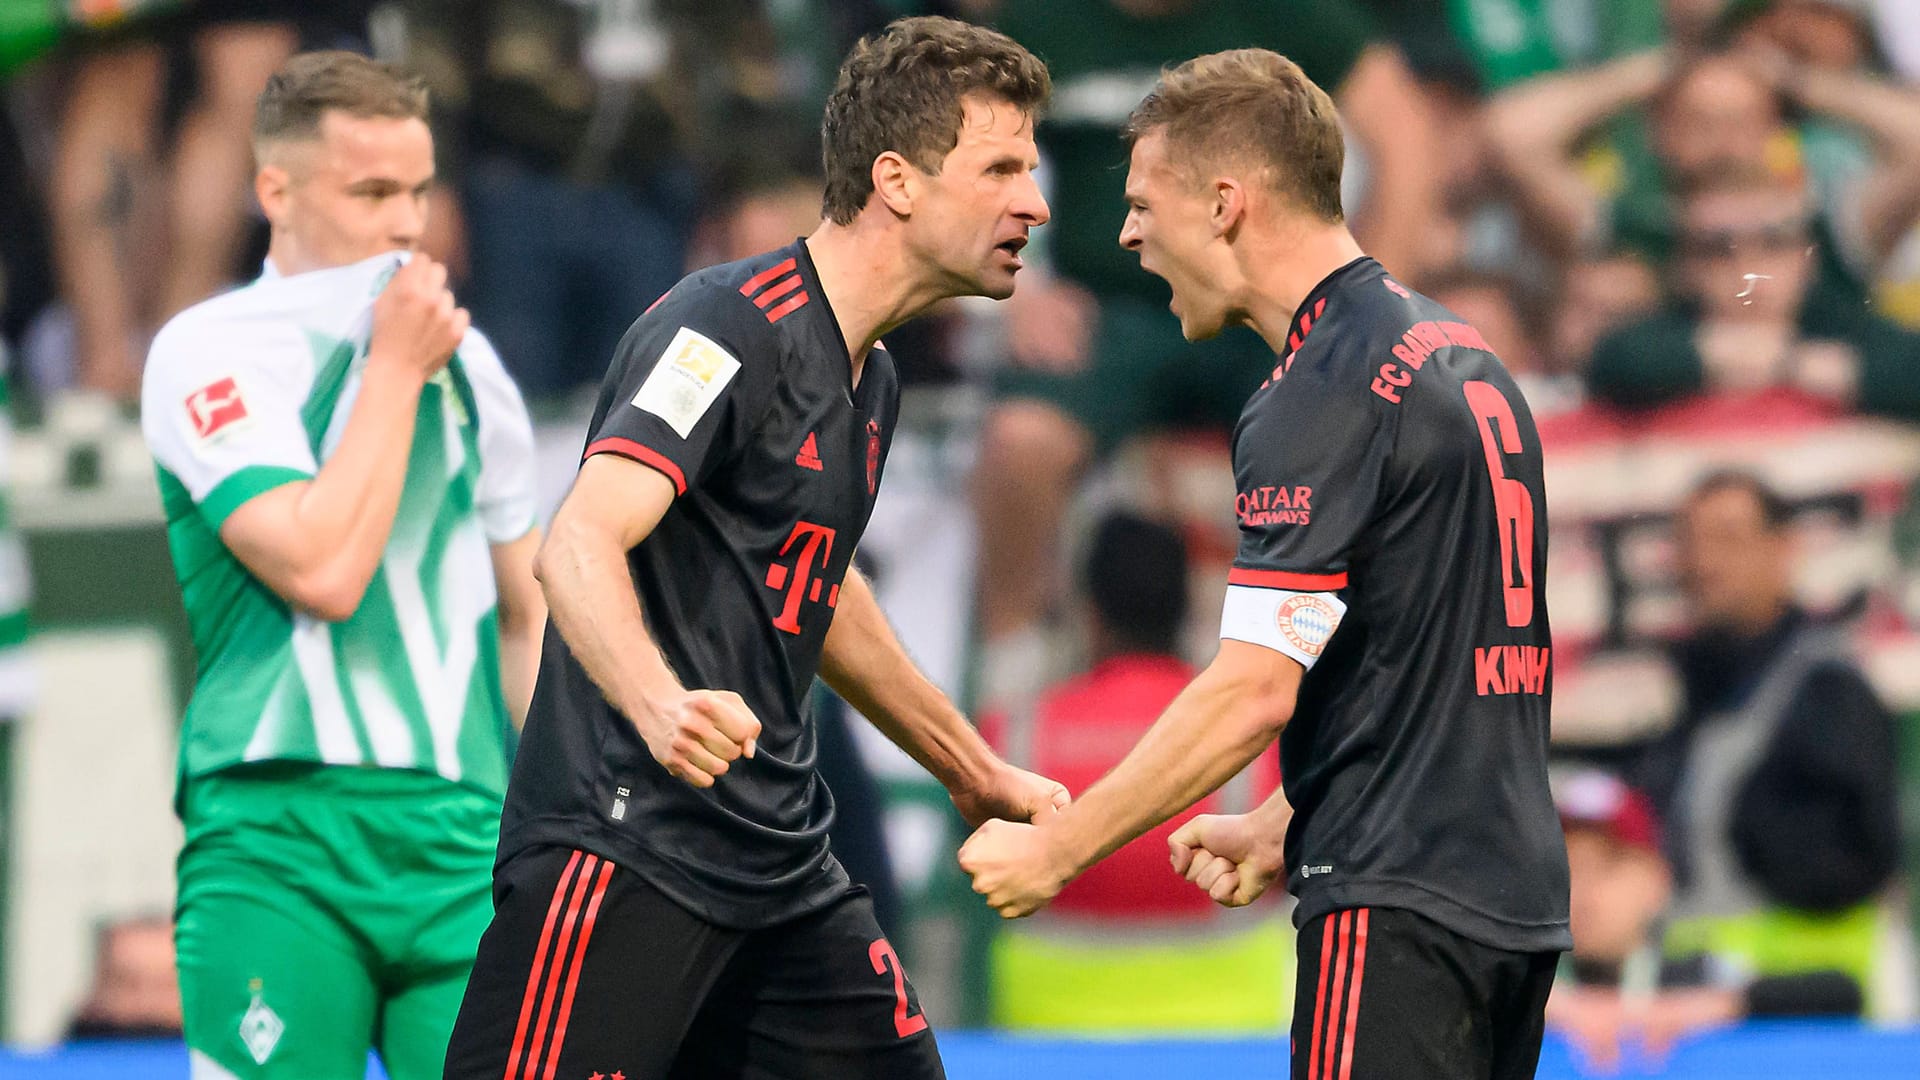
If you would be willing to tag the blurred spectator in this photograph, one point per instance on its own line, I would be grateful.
(1702, 117)
(1616, 985)
(568, 163)
(1778, 781)
(1750, 316)
(141, 230)
(1596, 297)
(1491, 305)
(1130, 921)
(1096, 357)
(136, 989)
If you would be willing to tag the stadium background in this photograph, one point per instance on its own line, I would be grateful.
(714, 160)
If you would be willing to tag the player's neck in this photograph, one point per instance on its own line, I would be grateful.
(864, 275)
(1283, 266)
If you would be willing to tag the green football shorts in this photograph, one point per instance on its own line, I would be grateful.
(325, 911)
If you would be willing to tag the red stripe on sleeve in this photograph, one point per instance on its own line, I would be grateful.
(1281, 579)
(765, 276)
(627, 448)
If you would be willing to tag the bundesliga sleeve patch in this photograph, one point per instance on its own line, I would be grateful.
(686, 381)
(1298, 624)
(216, 408)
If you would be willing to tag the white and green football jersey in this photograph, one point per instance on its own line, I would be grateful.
(252, 390)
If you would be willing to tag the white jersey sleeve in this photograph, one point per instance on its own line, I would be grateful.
(220, 407)
(506, 497)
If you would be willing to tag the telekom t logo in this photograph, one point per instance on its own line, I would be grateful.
(801, 580)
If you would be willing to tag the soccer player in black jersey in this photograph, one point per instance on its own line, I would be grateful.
(665, 901)
(1385, 617)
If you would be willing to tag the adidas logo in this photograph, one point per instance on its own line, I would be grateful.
(809, 455)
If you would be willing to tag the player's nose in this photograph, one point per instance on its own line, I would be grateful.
(1030, 205)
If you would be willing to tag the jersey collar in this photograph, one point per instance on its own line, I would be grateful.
(1315, 304)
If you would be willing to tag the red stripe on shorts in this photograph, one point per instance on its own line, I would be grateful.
(1319, 1001)
(559, 963)
(580, 960)
(1353, 995)
(539, 960)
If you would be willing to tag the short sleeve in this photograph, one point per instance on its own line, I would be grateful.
(688, 384)
(220, 407)
(507, 499)
(1310, 460)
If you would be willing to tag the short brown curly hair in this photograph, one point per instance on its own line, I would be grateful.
(900, 89)
(1250, 107)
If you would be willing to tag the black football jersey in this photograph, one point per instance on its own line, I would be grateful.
(1393, 537)
(736, 386)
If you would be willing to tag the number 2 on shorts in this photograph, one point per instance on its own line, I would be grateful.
(883, 958)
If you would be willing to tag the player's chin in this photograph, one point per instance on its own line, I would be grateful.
(995, 284)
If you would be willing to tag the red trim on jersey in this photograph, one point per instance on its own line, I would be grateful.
(1339, 984)
(560, 963)
(1353, 995)
(627, 448)
(661, 300)
(787, 307)
(580, 961)
(1281, 579)
(776, 292)
(1320, 1000)
(753, 283)
(539, 961)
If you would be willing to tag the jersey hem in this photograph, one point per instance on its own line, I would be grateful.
(1489, 930)
(671, 880)
(237, 489)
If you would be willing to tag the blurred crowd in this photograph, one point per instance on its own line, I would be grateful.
(1691, 228)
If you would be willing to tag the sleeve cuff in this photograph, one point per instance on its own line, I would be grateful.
(236, 490)
(1283, 579)
(1295, 624)
(647, 456)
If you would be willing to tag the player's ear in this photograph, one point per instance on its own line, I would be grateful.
(894, 182)
(1229, 205)
(270, 186)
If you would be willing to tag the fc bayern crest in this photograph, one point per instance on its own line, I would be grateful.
(873, 456)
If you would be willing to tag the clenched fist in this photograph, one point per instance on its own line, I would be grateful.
(416, 324)
(698, 734)
(1233, 857)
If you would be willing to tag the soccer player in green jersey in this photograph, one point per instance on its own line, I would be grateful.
(346, 473)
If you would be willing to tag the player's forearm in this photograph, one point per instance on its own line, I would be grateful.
(323, 546)
(1550, 113)
(519, 666)
(863, 661)
(590, 598)
(1217, 725)
(1532, 131)
(1383, 105)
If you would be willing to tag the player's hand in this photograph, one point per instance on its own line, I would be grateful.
(416, 324)
(699, 734)
(1012, 795)
(1674, 1015)
(1232, 857)
(1013, 867)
